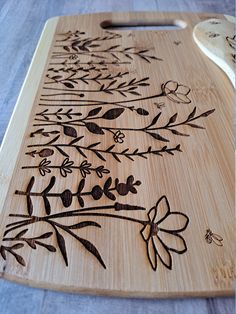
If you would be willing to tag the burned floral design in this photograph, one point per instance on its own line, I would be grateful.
(176, 92)
(118, 137)
(161, 233)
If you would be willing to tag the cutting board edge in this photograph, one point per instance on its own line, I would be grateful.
(68, 288)
(118, 293)
(14, 134)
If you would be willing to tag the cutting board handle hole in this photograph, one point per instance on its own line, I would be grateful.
(157, 25)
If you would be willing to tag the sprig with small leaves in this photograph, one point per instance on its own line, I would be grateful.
(67, 166)
(67, 196)
(114, 51)
(99, 152)
(151, 129)
(71, 80)
(112, 87)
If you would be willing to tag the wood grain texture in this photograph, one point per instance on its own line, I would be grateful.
(91, 73)
(40, 12)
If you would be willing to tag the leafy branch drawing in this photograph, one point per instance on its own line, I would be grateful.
(160, 231)
(122, 88)
(71, 80)
(67, 66)
(100, 153)
(77, 41)
(67, 167)
(67, 196)
(115, 52)
(151, 129)
(172, 90)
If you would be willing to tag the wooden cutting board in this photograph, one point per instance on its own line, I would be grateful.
(117, 169)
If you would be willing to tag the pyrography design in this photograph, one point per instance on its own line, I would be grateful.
(160, 230)
(80, 68)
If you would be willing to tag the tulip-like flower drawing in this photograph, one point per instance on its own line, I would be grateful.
(176, 92)
(161, 234)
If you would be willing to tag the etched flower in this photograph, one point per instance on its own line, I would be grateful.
(119, 137)
(161, 233)
(73, 57)
(66, 167)
(176, 92)
(43, 167)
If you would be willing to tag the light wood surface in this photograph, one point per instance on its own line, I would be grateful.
(186, 179)
(216, 38)
(27, 20)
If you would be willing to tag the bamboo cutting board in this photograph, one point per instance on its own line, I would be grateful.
(117, 167)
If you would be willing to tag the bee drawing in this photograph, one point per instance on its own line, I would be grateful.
(213, 237)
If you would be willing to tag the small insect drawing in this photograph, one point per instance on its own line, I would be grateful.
(213, 237)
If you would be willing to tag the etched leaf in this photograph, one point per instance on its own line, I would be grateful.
(81, 152)
(142, 112)
(158, 137)
(179, 133)
(195, 126)
(173, 118)
(69, 131)
(68, 85)
(20, 259)
(50, 248)
(155, 119)
(66, 48)
(30, 207)
(46, 152)
(84, 224)
(207, 113)
(94, 112)
(30, 185)
(113, 113)
(62, 151)
(62, 245)
(76, 140)
(53, 140)
(45, 235)
(97, 192)
(21, 233)
(92, 249)
(3, 252)
(66, 198)
(99, 155)
(192, 114)
(108, 183)
(50, 185)
(81, 186)
(94, 128)
(47, 205)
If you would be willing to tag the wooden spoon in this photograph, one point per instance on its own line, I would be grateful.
(217, 39)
